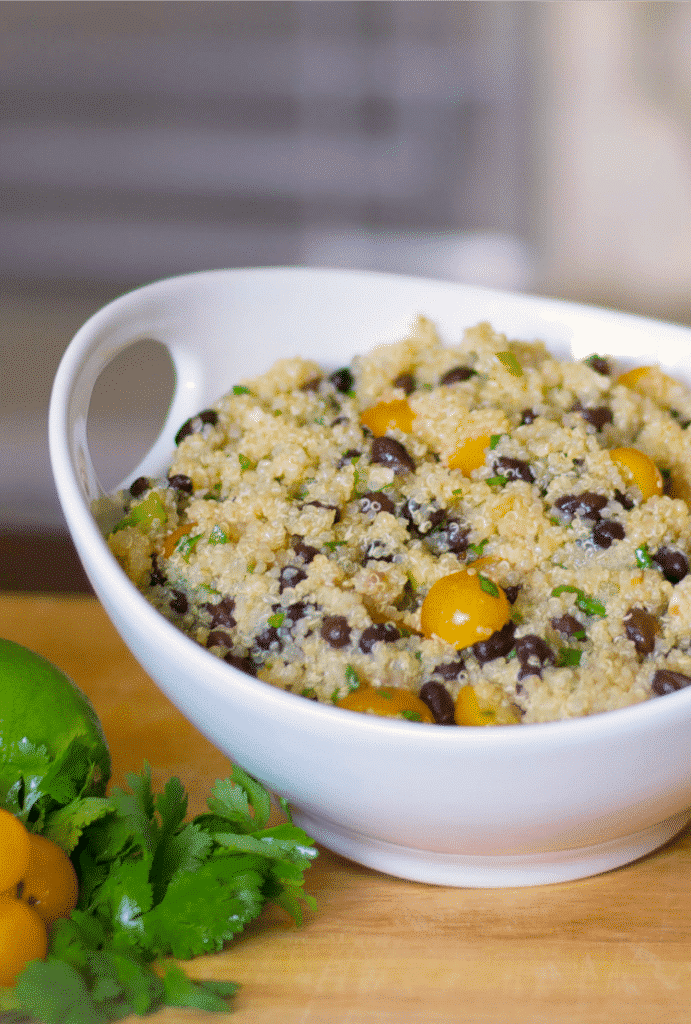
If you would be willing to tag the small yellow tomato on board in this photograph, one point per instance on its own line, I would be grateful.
(23, 937)
(470, 454)
(50, 883)
(385, 416)
(14, 850)
(388, 702)
(464, 608)
(638, 469)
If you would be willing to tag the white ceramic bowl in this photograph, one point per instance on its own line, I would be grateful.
(464, 806)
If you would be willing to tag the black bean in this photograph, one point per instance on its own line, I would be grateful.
(332, 508)
(422, 518)
(451, 537)
(528, 416)
(268, 639)
(342, 380)
(674, 564)
(666, 681)
(376, 501)
(450, 670)
(512, 593)
(138, 486)
(514, 469)
(599, 364)
(498, 645)
(606, 531)
(222, 612)
(335, 630)
(641, 627)
(406, 382)
(195, 423)
(457, 375)
(158, 577)
(624, 500)
(439, 701)
(347, 457)
(597, 417)
(180, 482)
(588, 505)
(567, 625)
(534, 654)
(305, 551)
(388, 452)
(217, 638)
(245, 665)
(379, 551)
(295, 612)
(384, 631)
(179, 602)
(290, 576)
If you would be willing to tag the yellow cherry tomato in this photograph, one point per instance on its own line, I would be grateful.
(386, 416)
(50, 882)
(388, 702)
(646, 380)
(469, 711)
(638, 469)
(470, 454)
(23, 937)
(14, 850)
(464, 608)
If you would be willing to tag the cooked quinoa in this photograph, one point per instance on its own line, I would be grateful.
(307, 515)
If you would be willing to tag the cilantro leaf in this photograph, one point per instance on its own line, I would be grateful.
(205, 995)
(65, 825)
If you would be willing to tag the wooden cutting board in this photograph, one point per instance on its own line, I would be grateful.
(615, 949)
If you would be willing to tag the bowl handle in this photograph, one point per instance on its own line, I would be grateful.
(92, 349)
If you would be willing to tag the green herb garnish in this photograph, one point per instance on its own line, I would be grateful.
(487, 585)
(240, 389)
(276, 620)
(245, 463)
(494, 441)
(569, 656)
(352, 678)
(144, 514)
(589, 605)
(497, 481)
(153, 887)
(477, 549)
(510, 363)
(643, 557)
(412, 716)
(186, 545)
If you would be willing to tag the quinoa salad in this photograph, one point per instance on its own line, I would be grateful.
(475, 534)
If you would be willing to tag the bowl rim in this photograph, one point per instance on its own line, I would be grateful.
(114, 587)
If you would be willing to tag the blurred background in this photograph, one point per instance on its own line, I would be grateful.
(534, 146)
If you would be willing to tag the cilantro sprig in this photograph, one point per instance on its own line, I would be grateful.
(154, 886)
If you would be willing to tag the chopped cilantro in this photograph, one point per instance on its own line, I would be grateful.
(494, 441)
(186, 545)
(643, 558)
(214, 493)
(589, 605)
(154, 886)
(412, 716)
(276, 620)
(240, 389)
(333, 544)
(487, 585)
(309, 692)
(497, 481)
(569, 656)
(510, 363)
(245, 463)
(477, 549)
(352, 678)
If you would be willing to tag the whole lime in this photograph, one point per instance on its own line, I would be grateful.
(43, 714)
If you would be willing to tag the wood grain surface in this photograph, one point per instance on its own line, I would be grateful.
(615, 949)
